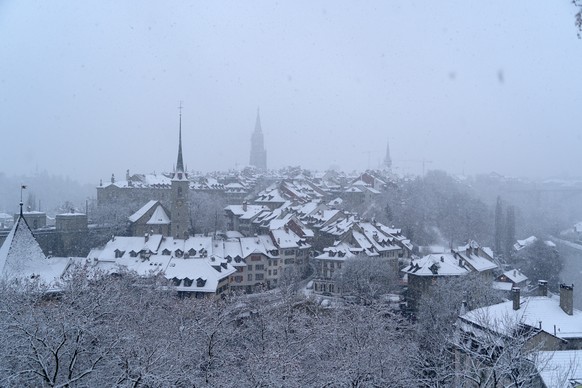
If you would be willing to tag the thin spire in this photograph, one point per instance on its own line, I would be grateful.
(387, 159)
(22, 187)
(258, 122)
(180, 162)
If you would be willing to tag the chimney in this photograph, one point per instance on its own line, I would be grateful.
(567, 299)
(112, 178)
(542, 287)
(515, 297)
(147, 237)
(244, 207)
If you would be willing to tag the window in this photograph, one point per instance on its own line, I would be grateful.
(259, 267)
(289, 261)
(249, 267)
(255, 257)
(259, 276)
(250, 277)
(238, 279)
(200, 282)
(275, 272)
(289, 252)
(269, 272)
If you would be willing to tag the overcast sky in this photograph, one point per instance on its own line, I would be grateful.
(90, 88)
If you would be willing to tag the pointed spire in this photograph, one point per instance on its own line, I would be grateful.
(387, 159)
(180, 162)
(258, 122)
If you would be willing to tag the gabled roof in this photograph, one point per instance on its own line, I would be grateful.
(534, 311)
(143, 210)
(441, 264)
(160, 217)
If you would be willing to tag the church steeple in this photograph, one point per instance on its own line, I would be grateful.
(258, 122)
(180, 162)
(180, 194)
(258, 153)
(387, 159)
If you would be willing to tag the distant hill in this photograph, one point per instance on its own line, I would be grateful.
(50, 192)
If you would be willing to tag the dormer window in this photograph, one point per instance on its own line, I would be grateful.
(166, 252)
(188, 282)
(192, 252)
(133, 253)
(200, 282)
(178, 253)
(176, 281)
(118, 253)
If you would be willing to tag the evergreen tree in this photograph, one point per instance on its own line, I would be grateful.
(510, 230)
(498, 226)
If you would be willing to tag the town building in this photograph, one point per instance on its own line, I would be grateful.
(511, 279)
(360, 239)
(426, 271)
(152, 218)
(180, 199)
(193, 265)
(523, 328)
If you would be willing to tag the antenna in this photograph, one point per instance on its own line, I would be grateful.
(22, 187)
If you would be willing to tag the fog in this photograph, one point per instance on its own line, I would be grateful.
(93, 88)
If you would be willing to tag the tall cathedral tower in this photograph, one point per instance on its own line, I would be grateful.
(180, 194)
(387, 160)
(258, 152)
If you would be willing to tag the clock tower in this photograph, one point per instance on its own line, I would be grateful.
(180, 194)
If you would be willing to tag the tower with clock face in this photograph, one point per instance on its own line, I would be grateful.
(180, 195)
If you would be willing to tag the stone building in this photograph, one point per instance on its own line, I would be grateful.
(258, 157)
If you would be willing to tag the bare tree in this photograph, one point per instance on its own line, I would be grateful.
(496, 351)
(367, 278)
(437, 313)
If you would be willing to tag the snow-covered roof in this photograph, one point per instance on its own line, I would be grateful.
(233, 234)
(288, 239)
(143, 210)
(246, 212)
(501, 318)
(520, 244)
(252, 245)
(478, 262)
(340, 252)
(465, 259)
(21, 257)
(515, 276)
(196, 264)
(159, 217)
(442, 264)
(559, 369)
